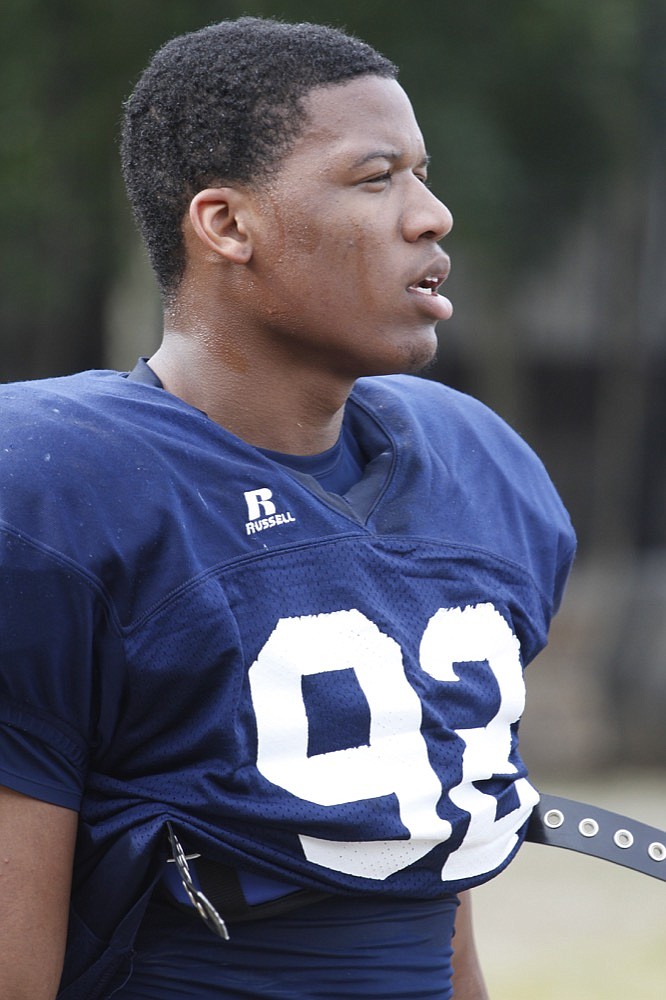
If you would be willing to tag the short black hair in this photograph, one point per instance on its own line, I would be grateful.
(223, 105)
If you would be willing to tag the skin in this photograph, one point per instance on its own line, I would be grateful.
(36, 853)
(468, 982)
(293, 289)
(297, 287)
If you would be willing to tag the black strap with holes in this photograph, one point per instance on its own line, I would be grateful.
(587, 829)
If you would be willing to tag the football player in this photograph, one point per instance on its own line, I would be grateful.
(267, 599)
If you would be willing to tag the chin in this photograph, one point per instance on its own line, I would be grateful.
(423, 368)
(402, 358)
(415, 358)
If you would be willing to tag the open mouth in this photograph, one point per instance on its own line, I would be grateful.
(427, 285)
(437, 306)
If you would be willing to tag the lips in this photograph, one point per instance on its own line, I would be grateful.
(430, 279)
(426, 287)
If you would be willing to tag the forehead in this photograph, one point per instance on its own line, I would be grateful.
(351, 120)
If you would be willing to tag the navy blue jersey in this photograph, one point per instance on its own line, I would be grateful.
(336, 949)
(321, 689)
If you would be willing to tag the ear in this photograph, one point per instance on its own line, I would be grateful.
(219, 218)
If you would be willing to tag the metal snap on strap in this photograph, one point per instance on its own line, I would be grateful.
(553, 819)
(657, 851)
(588, 827)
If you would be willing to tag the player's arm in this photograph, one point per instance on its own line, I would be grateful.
(36, 852)
(468, 983)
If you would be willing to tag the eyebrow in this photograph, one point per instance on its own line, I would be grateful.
(387, 154)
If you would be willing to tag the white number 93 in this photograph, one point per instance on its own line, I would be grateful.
(395, 762)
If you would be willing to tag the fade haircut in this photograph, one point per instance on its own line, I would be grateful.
(223, 105)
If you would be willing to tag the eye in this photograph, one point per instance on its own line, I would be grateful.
(378, 181)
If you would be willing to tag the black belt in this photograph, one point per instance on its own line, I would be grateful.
(577, 826)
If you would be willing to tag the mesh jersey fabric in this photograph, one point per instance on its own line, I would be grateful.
(322, 689)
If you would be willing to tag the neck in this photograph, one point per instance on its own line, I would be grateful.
(283, 408)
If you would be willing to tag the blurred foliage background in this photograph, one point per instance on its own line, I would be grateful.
(546, 120)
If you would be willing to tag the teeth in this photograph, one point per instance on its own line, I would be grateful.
(427, 286)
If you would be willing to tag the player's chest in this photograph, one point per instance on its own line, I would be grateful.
(326, 632)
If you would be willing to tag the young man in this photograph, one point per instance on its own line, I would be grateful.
(266, 613)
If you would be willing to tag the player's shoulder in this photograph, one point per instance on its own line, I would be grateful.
(420, 395)
(478, 449)
(74, 413)
(60, 424)
(439, 411)
(29, 405)
(59, 440)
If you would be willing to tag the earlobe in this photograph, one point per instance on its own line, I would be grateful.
(217, 216)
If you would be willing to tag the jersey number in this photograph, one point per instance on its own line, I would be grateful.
(395, 762)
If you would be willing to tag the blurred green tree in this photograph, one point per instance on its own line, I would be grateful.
(522, 102)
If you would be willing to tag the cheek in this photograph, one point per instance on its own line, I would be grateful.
(303, 226)
(362, 256)
(351, 256)
(324, 262)
(307, 238)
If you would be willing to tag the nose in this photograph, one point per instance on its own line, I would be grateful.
(426, 216)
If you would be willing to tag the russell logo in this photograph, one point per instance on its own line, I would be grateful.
(262, 512)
